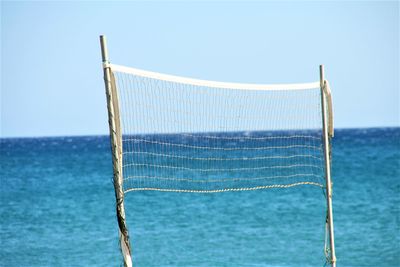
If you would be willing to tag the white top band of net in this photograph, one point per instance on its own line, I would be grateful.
(213, 84)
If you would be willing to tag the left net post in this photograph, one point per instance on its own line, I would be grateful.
(116, 150)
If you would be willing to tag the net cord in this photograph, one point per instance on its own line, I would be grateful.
(118, 176)
(328, 95)
(212, 84)
(224, 190)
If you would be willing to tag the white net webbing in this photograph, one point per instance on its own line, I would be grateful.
(191, 136)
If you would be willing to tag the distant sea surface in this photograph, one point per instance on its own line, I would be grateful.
(58, 209)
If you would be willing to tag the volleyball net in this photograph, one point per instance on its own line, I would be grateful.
(188, 135)
(178, 134)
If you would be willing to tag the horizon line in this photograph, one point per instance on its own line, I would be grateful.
(107, 134)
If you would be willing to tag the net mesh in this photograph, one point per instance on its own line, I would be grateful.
(192, 138)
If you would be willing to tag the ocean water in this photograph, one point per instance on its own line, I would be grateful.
(57, 209)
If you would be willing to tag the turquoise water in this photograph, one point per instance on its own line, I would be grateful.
(57, 209)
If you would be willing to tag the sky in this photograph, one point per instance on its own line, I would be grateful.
(51, 74)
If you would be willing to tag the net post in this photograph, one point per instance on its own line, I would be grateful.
(327, 152)
(116, 149)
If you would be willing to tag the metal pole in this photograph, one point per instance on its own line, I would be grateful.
(115, 136)
(326, 139)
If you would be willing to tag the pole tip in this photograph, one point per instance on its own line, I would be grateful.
(321, 75)
(103, 44)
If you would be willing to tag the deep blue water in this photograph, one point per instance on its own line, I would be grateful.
(57, 209)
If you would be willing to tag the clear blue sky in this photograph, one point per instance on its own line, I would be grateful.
(51, 76)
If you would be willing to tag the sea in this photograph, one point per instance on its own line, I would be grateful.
(58, 209)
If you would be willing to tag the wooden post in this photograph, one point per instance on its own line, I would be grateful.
(116, 149)
(326, 140)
